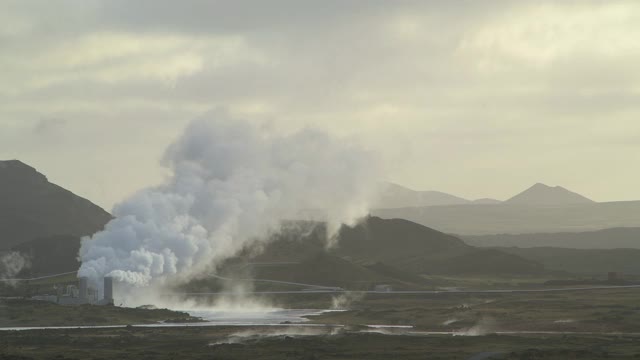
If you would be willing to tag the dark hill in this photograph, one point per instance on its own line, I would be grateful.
(396, 242)
(418, 249)
(393, 248)
(50, 255)
(300, 255)
(32, 207)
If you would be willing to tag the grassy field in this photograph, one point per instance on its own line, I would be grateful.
(582, 311)
(587, 324)
(287, 343)
(17, 312)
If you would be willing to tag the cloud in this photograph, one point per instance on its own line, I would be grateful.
(49, 127)
(446, 91)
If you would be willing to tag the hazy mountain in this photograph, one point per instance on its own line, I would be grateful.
(520, 218)
(625, 237)
(395, 196)
(32, 207)
(541, 194)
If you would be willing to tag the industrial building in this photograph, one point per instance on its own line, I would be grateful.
(81, 294)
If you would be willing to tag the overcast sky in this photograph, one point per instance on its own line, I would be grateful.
(474, 98)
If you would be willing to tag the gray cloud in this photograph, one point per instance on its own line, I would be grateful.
(49, 127)
(504, 93)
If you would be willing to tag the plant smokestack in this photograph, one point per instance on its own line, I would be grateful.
(83, 287)
(108, 289)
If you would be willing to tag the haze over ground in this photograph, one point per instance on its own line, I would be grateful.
(477, 99)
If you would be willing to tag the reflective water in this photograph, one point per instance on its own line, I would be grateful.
(266, 317)
(217, 317)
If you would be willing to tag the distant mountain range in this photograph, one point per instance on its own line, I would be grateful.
(520, 218)
(397, 196)
(31, 207)
(45, 222)
(539, 209)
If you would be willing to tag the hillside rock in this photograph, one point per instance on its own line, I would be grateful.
(32, 207)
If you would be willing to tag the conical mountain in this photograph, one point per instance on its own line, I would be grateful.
(541, 194)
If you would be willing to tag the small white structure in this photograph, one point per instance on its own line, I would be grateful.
(383, 288)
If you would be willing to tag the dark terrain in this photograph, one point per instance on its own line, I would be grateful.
(20, 313)
(32, 207)
(211, 343)
(401, 254)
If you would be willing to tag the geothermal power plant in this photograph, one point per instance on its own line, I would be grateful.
(81, 293)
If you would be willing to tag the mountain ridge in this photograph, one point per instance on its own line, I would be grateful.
(519, 218)
(395, 196)
(33, 207)
(392, 195)
(542, 194)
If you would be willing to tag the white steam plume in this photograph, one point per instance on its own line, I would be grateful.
(231, 184)
(11, 264)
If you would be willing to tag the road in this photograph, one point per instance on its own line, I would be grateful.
(485, 355)
(39, 278)
(323, 290)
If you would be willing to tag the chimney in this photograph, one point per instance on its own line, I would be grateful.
(82, 286)
(108, 289)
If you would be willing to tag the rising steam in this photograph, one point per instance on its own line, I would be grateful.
(11, 264)
(231, 185)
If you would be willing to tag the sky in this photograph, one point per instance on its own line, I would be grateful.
(474, 98)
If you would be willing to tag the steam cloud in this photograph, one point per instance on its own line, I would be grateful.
(231, 185)
(11, 264)
(345, 300)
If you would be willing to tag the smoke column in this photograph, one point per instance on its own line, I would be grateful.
(231, 185)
